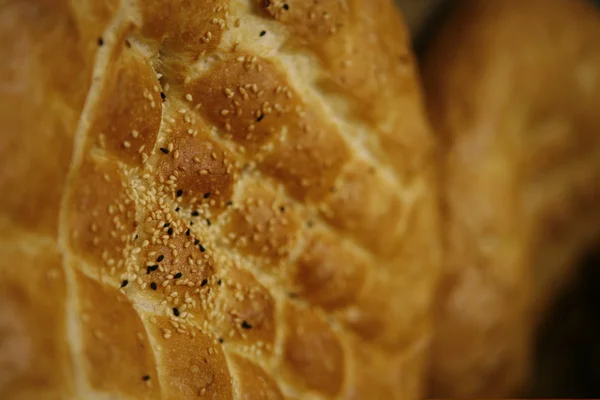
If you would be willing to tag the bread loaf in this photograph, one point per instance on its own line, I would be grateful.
(213, 199)
(514, 93)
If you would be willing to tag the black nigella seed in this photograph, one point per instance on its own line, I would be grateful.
(246, 325)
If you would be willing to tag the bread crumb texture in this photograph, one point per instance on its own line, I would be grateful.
(213, 199)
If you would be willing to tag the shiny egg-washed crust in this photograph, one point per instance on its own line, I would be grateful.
(213, 199)
(514, 92)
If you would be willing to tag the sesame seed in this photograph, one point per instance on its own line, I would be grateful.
(189, 97)
(153, 285)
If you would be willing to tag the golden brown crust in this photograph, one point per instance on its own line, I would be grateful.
(328, 273)
(41, 98)
(52, 89)
(113, 336)
(34, 356)
(132, 114)
(191, 364)
(253, 381)
(224, 199)
(313, 354)
(516, 108)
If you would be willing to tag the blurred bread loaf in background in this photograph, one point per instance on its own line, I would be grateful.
(513, 92)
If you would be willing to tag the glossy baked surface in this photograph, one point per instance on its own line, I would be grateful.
(214, 199)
